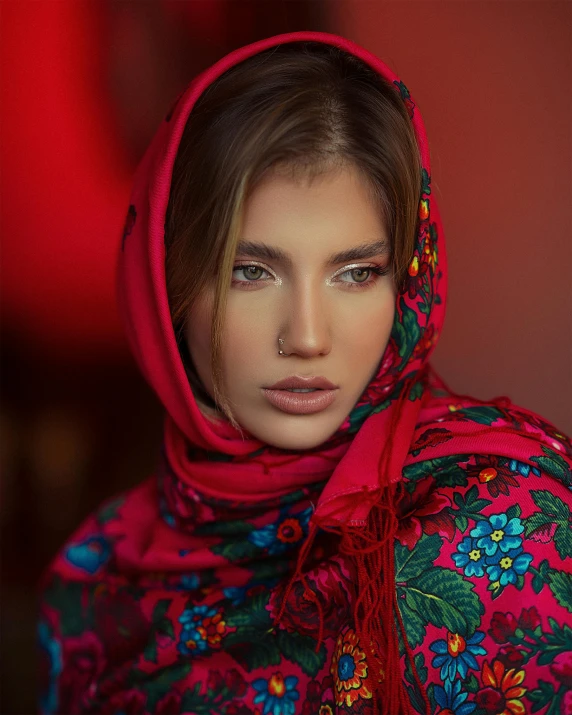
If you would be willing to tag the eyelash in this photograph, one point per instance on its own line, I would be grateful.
(379, 271)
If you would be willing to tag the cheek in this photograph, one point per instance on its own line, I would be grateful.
(367, 340)
(245, 340)
(367, 330)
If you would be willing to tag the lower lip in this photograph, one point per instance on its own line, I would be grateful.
(300, 403)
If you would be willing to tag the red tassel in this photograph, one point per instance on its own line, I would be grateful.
(376, 612)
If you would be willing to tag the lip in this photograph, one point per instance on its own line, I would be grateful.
(319, 382)
(300, 403)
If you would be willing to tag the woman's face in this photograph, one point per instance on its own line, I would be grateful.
(334, 313)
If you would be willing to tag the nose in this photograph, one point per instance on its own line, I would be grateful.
(306, 329)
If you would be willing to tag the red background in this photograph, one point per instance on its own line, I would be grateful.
(492, 81)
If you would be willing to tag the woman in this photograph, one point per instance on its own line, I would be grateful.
(377, 545)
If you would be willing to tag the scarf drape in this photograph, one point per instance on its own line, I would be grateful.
(377, 573)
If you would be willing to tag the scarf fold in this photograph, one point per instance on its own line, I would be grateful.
(244, 579)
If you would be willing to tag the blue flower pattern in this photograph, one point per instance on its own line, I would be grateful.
(192, 642)
(277, 693)
(494, 546)
(470, 558)
(452, 700)
(90, 554)
(522, 468)
(456, 655)
(498, 532)
(190, 581)
(508, 566)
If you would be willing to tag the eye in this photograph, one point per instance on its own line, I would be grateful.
(360, 271)
(252, 273)
(359, 274)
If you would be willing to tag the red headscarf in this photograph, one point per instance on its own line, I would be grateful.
(187, 585)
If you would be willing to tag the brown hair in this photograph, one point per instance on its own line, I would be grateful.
(303, 106)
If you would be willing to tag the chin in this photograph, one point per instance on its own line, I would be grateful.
(298, 437)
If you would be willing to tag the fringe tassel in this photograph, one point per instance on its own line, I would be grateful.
(377, 618)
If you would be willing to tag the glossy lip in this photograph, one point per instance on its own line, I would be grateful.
(300, 403)
(319, 383)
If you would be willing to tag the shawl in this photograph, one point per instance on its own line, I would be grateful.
(418, 561)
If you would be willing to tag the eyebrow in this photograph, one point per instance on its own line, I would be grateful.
(356, 253)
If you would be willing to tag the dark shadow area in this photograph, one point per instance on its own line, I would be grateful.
(75, 431)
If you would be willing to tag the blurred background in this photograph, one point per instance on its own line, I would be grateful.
(85, 84)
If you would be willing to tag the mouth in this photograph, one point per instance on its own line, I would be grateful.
(301, 382)
(300, 401)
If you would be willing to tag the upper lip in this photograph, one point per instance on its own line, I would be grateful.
(299, 381)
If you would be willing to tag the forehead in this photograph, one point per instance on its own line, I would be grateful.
(326, 215)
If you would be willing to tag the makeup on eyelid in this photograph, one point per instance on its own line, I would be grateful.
(378, 271)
